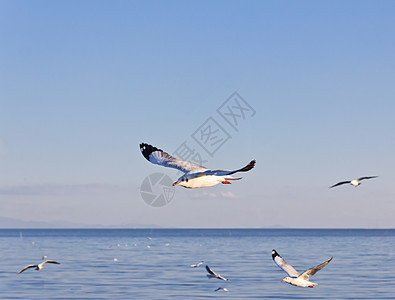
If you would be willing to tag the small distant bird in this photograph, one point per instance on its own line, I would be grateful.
(44, 257)
(197, 265)
(39, 266)
(212, 274)
(295, 278)
(354, 182)
(221, 288)
(195, 176)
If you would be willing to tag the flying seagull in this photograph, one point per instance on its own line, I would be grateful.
(354, 182)
(39, 266)
(195, 176)
(212, 274)
(295, 278)
(221, 288)
(196, 265)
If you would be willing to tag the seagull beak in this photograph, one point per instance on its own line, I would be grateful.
(175, 183)
(282, 280)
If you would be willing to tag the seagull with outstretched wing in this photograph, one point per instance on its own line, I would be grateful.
(196, 265)
(195, 176)
(221, 289)
(212, 274)
(354, 182)
(295, 278)
(39, 266)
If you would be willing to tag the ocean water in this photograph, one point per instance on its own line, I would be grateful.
(154, 264)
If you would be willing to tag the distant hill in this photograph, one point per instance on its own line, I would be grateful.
(16, 223)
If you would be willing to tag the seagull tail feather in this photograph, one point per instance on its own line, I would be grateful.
(232, 178)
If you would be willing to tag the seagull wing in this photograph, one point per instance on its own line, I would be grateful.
(210, 271)
(339, 183)
(222, 278)
(159, 157)
(310, 272)
(284, 265)
(50, 262)
(369, 177)
(248, 167)
(27, 267)
(227, 172)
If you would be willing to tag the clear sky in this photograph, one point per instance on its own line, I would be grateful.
(83, 83)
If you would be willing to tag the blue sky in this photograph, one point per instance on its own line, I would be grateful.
(82, 84)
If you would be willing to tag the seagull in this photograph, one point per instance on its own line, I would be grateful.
(195, 176)
(295, 278)
(212, 274)
(221, 288)
(197, 265)
(39, 266)
(354, 182)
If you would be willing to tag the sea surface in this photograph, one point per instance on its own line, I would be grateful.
(155, 264)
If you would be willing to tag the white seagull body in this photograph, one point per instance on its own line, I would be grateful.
(295, 278)
(354, 182)
(212, 274)
(195, 176)
(39, 266)
(197, 265)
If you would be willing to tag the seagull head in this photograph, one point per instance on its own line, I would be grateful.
(286, 279)
(183, 181)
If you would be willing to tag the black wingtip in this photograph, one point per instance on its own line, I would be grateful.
(249, 166)
(147, 149)
(275, 254)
